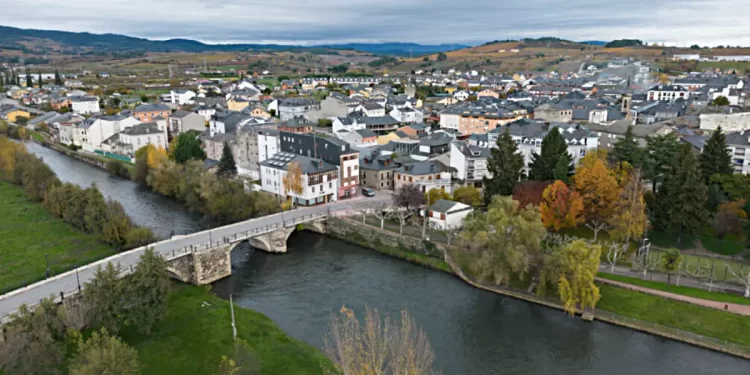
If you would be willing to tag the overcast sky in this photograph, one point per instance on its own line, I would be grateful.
(706, 22)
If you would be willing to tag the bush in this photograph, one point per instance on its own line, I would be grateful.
(137, 237)
(116, 168)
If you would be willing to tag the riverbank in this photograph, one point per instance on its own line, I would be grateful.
(704, 327)
(30, 236)
(197, 332)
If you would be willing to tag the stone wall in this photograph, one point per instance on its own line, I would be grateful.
(204, 267)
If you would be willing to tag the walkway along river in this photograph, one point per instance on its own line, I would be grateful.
(472, 331)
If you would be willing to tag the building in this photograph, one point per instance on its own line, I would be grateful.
(182, 121)
(254, 144)
(739, 147)
(296, 125)
(128, 141)
(528, 135)
(446, 214)
(12, 113)
(371, 109)
(554, 113)
(729, 122)
(470, 162)
(427, 175)
(319, 178)
(376, 169)
(330, 150)
(362, 138)
(289, 108)
(407, 115)
(609, 134)
(337, 105)
(667, 93)
(237, 104)
(96, 129)
(182, 97)
(148, 112)
(84, 105)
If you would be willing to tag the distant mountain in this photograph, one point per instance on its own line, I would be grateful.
(594, 42)
(48, 40)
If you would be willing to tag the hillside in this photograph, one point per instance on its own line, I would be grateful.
(31, 41)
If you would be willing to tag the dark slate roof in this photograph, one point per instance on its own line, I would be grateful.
(308, 165)
(422, 168)
(473, 151)
(83, 99)
(375, 120)
(158, 107)
(443, 206)
(180, 114)
(366, 133)
(210, 163)
(142, 129)
(738, 138)
(372, 106)
(297, 122)
(697, 141)
(668, 88)
(329, 149)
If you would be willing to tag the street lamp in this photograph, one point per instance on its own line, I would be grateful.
(46, 258)
(78, 280)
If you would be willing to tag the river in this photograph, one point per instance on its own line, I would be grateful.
(471, 331)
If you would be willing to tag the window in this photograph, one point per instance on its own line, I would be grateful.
(330, 185)
(313, 189)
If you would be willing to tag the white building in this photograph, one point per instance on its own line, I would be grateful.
(182, 97)
(528, 135)
(319, 178)
(371, 109)
(470, 162)
(128, 141)
(729, 122)
(95, 130)
(84, 105)
(446, 214)
(407, 115)
(667, 93)
(461, 95)
(269, 144)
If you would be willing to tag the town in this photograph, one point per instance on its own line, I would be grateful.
(611, 182)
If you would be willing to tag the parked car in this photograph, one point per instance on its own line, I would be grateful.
(368, 192)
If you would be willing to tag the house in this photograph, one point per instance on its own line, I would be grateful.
(414, 130)
(667, 93)
(213, 145)
(254, 144)
(487, 93)
(371, 109)
(446, 214)
(33, 123)
(729, 122)
(376, 169)
(206, 111)
(462, 95)
(237, 104)
(611, 133)
(94, 130)
(554, 113)
(227, 122)
(739, 148)
(362, 138)
(337, 105)
(182, 97)
(426, 175)
(181, 121)
(407, 115)
(289, 108)
(84, 105)
(128, 141)
(470, 162)
(257, 111)
(148, 112)
(296, 125)
(528, 135)
(12, 113)
(330, 150)
(319, 178)
(656, 111)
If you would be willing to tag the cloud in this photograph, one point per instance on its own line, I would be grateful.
(423, 21)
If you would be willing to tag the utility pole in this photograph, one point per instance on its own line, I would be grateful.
(234, 326)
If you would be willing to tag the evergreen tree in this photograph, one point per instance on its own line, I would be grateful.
(660, 152)
(715, 158)
(627, 150)
(40, 79)
(188, 147)
(227, 165)
(148, 291)
(29, 83)
(554, 162)
(680, 202)
(58, 79)
(505, 165)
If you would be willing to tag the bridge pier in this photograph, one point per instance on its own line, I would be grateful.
(272, 242)
(202, 267)
(319, 226)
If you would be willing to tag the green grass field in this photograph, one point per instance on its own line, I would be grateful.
(701, 320)
(28, 232)
(683, 290)
(192, 339)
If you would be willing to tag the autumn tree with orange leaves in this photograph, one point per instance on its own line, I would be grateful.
(599, 189)
(561, 207)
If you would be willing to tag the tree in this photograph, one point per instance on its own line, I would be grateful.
(104, 296)
(435, 194)
(140, 173)
(34, 341)
(227, 166)
(599, 190)
(293, 179)
(148, 291)
(715, 159)
(188, 147)
(402, 216)
(227, 366)
(504, 241)
(40, 79)
(325, 123)
(29, 81)
(117, 225)
(660, 152)
(58, 79)
(743, 277)
(505, 165)
(680, 203)
(23, 133)
(383, 212)
(137, 237)
(561, 207)
(577, 265)
(735, 186)
(409, 196)
(629, 218)
(628, 150)
(104, 354)
(95, 213)
(441, 56)
(729, 218)
(377, 346)
(720, 101)
(468, 195)
(671, 258)
(156, 157)
(553, 163)
(614, 253)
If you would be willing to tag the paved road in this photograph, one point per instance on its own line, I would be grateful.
(68, 282)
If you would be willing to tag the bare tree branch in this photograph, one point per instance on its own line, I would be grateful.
(616, 250)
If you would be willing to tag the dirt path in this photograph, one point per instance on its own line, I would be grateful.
(731, 307)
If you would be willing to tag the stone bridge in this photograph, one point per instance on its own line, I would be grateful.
(210, 262)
